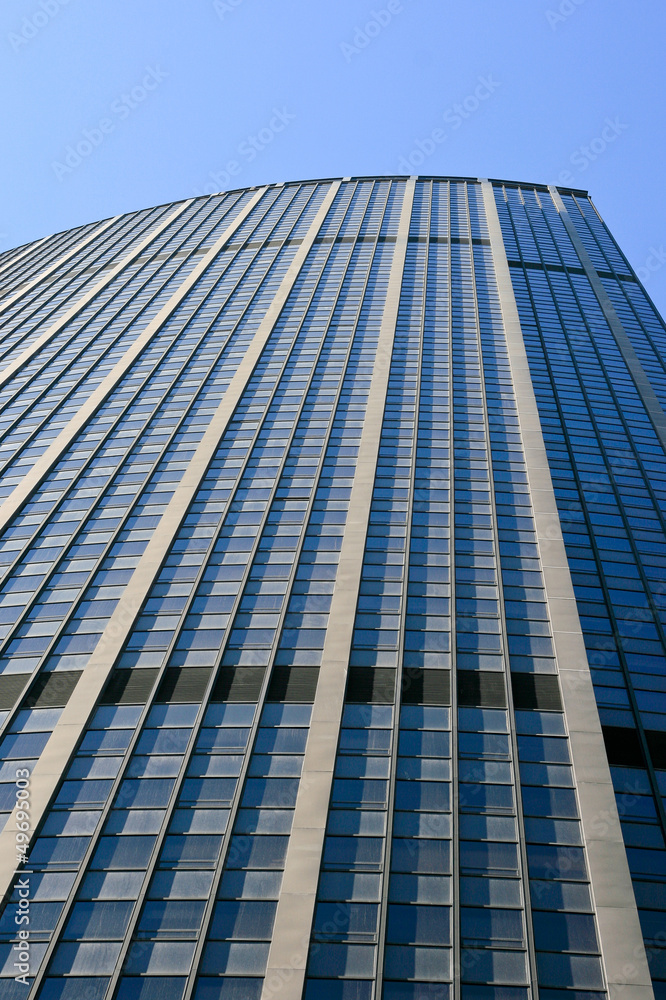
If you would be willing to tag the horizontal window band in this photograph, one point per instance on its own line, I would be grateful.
(182, 685)
(546, 266)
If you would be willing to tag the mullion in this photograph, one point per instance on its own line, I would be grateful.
(463, 373)
(462, 422)
(455, 780)
(388, 838)
(520, 821)
(127, 323)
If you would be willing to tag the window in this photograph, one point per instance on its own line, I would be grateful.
(562, 932)
(491, 927)
(419, 925)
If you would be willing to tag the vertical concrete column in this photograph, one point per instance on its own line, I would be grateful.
(621, 940)
(71, 725)
(288, 954)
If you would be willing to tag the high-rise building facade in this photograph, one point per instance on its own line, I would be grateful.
(332, 601)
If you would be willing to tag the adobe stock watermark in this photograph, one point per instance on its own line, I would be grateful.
(21, 947)
(35, 22)
(564, 11)
(377, 21)
(246, 152)
(585, 155)
(91, 138)
(653, 262)
(224, 7)
(454, 117)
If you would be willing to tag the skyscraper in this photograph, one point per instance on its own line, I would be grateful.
(332, 540)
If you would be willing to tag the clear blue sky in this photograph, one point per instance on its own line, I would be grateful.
(162, 95)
